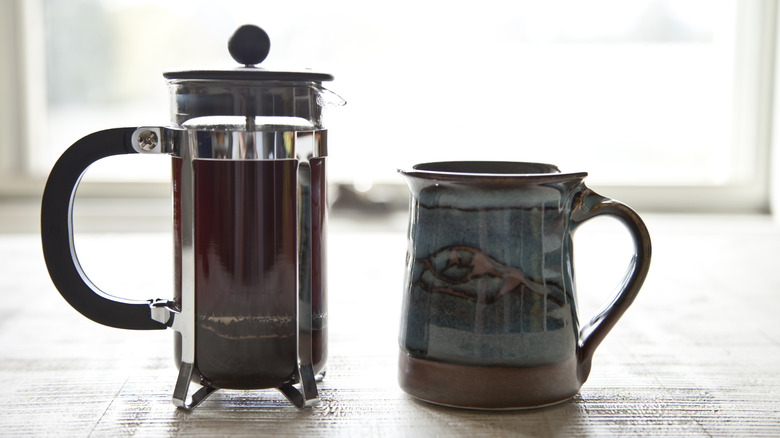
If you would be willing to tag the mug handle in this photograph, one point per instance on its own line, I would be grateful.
(588, 204)
(57, 234)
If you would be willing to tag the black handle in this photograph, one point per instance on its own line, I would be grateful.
(57, 234)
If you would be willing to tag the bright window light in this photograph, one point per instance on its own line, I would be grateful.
(637, 92)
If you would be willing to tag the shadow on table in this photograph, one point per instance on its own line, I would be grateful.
(556, 420)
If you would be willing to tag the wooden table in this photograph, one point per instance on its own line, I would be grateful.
(697, 355)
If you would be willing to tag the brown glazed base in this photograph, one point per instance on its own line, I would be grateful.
(478, 387)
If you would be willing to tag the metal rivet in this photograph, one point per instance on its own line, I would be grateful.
(147, 140)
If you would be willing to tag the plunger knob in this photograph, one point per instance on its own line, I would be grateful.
(249, 45)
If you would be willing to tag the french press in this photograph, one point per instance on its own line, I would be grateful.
(248, 151)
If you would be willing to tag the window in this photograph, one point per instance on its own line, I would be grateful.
(665, 102)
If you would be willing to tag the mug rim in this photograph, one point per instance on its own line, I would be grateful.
(489, 170)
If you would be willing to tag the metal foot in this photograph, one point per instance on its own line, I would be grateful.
(307, 395)
(180, 398)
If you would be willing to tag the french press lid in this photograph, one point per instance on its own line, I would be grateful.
(256, 98)
(249, 46)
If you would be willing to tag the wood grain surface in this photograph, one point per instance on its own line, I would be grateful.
(698, 354)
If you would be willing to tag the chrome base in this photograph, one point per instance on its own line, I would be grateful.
(180, 398)
(306, 393)
(301, 395)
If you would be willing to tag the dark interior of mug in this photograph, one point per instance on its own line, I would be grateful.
(489, 167)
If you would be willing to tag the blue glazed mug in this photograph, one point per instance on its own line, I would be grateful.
(489, 318)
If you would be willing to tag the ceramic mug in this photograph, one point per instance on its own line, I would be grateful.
(490, 314)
